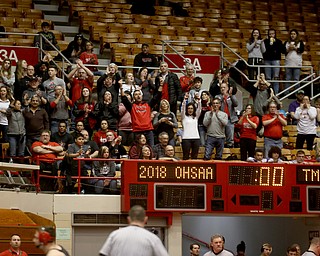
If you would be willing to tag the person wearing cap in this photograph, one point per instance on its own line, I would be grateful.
(45, 26)
(33, 89)
(145, 58)
(295, 104)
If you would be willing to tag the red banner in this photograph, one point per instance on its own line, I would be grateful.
(15, 53)
(204, 64)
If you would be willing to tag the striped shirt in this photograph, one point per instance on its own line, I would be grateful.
(133, 241)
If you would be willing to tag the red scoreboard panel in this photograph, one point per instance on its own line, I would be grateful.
(220, 187)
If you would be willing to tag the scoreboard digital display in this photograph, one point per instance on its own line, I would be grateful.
(221, 187)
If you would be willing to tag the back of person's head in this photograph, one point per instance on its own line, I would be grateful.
(241, 248)
(274, 149)
(137, 213)
(46, 235)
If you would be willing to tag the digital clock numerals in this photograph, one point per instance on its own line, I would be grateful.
(256, 175)
(179, 196)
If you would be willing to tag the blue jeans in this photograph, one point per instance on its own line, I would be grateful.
(98, 185)
(272, 73)
(17, 145)
(149, 136)
(292, 74)
(268, 143)
(212, 143)
(203, 134)
(229, 134)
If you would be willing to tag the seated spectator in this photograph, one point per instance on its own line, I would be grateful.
(145, 58)
(273, 124)
(32, 90)
(112, 73)
(125, 123)
(136, 149)
(145, 83)
(36, 119)
(115, 146)
(46, 152)
(205, 106)
(141, 113)
(103, 169)
(59, 107)
(91, 144)
(108, 110)
(196, 90)
(159, 149)
(186, 81)
(165, 121)
(100, 137)
(50, 84)
(89, 57)
(41, 42)
(248, 135)
(215, 121)
(228, 104)
(169, 154)
(220, 76)
(146, 153)
(5, 99)
(16, 129)
(62, 137)
(75, 48)
(171, 88)
(300, 158)
(7, 77)
(190, 138)
(83, 110)
(306, 116)
(294, 105)
(274, 155)
(19, 83)
(258, 157)
(80, 77)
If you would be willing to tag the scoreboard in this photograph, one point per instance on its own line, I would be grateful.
(220, 187)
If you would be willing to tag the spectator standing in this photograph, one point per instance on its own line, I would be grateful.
(83, 110)
(145, 58)
(306, 116)
(205, 106)
(294, 47)
(33, 89)
(125, 123)
(186, 81)
(15, 243)
(5, 99)
(317, 106)
(194, 249)
(145, 82)
(266, 249)
(23, 83)
(190, 138)
(89, 57)
(215, 121)
(16, 129)
(80, 77)
(256, 48)
(272, 57)
(7, 77)
(228, 104)
(50, 84)
(294, 105)
(165, 121)
(171, 88)
(111, 72)
(59, 108)
(217, 247)
(19, 83)
(196, 90)
(75, 48)
(222, 76)
(41, 68)
(248, 134)
(273, 123)
(39, 41)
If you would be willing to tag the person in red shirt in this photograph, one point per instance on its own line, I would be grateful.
(100, 137)
(79, 78)
(248, 132)
(186, 81)
(14, 249)
(88, 57)
(141, 112)
(273, 123)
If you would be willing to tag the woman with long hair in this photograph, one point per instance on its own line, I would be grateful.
(145, 153)
(20, 73)
(255, 48)
(89, 57)
(135, 150)
(83, 110)
(274, 155)
(75, 48)
(190, 139)
(144, 80)
(205, 106)
(125, 122)
(165, 121)
(7, 77)
(130, 83)
(5, 98)
(248, 132)
(104, 169)
(294, 47)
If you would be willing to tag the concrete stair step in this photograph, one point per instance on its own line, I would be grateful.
(57, 18)
(67, 29)
(47, 7)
